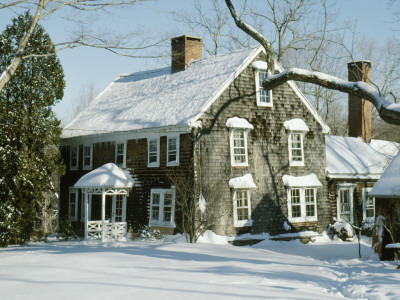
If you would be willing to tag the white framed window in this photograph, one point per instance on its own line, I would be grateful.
(296, 152)
(87, 157)
(120, 154)
(153, 153)
(73, 205)
(368, 205)
(345, 202)
(264, 98)
(173, 150)
(118, 208)
(238, 142)
(162, 208)
(74, 158)
(302, 204)
(242, 208)
(296, 129)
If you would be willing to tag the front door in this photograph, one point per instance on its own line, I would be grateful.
(119, 208)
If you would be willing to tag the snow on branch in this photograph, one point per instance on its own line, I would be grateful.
(388, 111)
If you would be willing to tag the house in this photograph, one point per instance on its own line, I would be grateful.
(356, 162)
(387, 194)
(259, 155)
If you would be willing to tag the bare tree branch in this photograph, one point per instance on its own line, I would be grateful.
(254, 34)
(388, 111)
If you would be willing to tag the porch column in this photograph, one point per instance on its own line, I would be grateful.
(85, 207)
(103, 213)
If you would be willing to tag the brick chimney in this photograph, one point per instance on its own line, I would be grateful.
(185, 49)
(360, 109)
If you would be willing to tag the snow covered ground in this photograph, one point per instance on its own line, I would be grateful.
(211, 269)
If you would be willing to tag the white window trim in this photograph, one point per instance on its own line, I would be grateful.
(114, 208)
(160, 222)
(231, 135)
(303, 217)
(73, 215)
(123, 165)
(71, 167)
(242, 223)
(86, 167)
(365, 192)
(259, 103)
(296, 163)
(175, 162)
(350, 187)
(156, 163)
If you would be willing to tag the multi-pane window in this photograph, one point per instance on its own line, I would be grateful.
(345, 202)
(296, 155)
(368, 205)
(345, 205)
(119, 154)
(242, 208)
(153, 153)
(74, 156)
(310, 202)
(296, 205)
(264, 98)
(172, 151)
(162, 208)
(119, 205)
(297, 148)
(73, 205)
(302, 204)
(87, 157)
(168, 198)
(239, 147)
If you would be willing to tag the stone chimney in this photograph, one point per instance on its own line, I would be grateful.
(185, 49)
(359, 109)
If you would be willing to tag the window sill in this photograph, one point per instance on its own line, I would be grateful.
(86, 168)
(245, 223)
(166, 225)
(296, 164)
(303, 219)
(153, 165)
(73, 168)
(240, 165)
(264, 104)
(172, 164)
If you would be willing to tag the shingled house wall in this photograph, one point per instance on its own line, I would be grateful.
(268, 156)
(137, 210)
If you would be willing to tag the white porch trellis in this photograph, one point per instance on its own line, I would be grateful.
(106, 180)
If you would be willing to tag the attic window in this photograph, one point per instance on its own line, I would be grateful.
(264, 98)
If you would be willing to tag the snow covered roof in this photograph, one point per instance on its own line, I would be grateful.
(310, 180)
(295, 125)
(158, 97)
(236, 122)
(107, 176)
(388, 186)
(349, 157)
(243, 182)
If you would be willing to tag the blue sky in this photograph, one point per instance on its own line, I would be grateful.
(85, 66)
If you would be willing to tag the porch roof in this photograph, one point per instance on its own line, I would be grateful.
(106, 176)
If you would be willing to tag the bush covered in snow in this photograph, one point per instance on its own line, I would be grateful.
(342, 230)
(147, 234)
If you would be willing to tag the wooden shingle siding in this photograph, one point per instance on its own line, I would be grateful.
(268, 155)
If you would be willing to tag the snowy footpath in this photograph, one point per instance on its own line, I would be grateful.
(211, 269)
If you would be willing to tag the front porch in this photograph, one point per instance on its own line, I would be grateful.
(105, 191)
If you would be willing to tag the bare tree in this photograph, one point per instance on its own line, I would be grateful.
(87, 93)
(388, 111)
(197, 211)
(45, 8)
